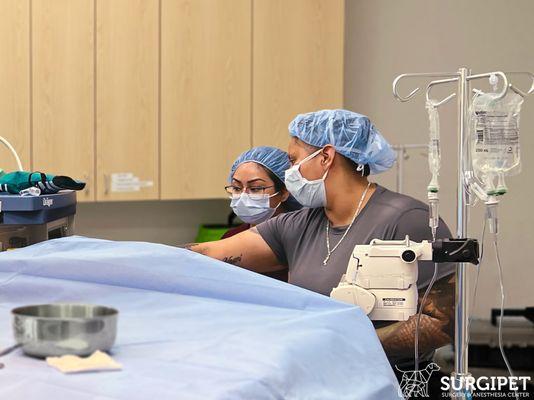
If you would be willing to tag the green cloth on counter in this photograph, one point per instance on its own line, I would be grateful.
(14, 182)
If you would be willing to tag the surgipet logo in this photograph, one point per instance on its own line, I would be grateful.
(485, 383)
(48, 202)
(415, 383)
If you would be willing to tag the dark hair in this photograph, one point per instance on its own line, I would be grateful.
(278, 184)
(366, 169)
(354, 166)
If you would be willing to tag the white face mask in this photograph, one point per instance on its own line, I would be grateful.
(308, 193)
(253, 210)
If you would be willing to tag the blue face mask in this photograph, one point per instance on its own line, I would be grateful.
(308, 193)
(253, 210)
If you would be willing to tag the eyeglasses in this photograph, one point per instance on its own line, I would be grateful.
(255, 192)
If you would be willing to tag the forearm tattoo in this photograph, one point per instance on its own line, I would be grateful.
(199, 248)
(196, 247)
(436, 325)
(234, 260)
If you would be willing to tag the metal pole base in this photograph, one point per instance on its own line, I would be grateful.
(459, 389)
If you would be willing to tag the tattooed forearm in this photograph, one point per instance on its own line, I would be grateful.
(204, 249)
(436, 326)
(234, 260)
(197, 248)
(399, 339)
(440, 303)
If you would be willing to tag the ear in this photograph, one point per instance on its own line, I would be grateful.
(327, 156)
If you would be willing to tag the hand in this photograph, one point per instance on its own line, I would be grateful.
(436, 325)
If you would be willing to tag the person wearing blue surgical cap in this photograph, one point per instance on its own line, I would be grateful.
(256, 187)
(333, 153)
(257, 192)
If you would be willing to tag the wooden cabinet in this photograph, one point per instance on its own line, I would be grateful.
(15, 81)
(298, 63)
(205, 94)
(63, 89)
(154, 99)
(127, 94)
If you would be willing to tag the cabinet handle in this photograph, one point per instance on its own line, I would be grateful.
(88, 182)
(107, 184)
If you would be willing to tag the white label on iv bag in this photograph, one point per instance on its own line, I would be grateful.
(128, 182)
(497, 141)
(497, 128)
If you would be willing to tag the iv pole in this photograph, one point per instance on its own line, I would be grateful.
(461, 308)
(462, 77)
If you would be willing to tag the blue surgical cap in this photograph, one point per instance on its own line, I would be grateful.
(353, 136)
(272, 158)
(275, 160)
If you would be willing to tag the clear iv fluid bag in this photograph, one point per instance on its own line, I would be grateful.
(434, 154)
(495, 134)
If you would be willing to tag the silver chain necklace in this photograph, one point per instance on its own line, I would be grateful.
(325, 261)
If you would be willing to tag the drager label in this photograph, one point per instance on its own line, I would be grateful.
(48, 202)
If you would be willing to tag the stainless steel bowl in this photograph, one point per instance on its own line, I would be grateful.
(58, 329)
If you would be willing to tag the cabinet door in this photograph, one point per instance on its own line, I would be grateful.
(205, 94)
(15, 82)
(127, 53)
(298, 63)
(63, 89)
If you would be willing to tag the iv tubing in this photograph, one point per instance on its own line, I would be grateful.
(12, 150)
(420, 312)
(476, 285)
(508, 367)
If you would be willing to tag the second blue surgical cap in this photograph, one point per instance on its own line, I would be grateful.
(272, 158)
(353, 136)
(275, 160)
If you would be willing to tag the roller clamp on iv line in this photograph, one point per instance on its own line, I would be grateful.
(381, 277)
(476, 173)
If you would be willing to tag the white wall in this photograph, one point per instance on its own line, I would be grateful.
(385, 38)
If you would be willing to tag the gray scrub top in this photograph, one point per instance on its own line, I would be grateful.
(298, 239)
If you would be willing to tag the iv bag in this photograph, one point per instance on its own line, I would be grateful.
(494, 135)
(434, 154)
(434, 159)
